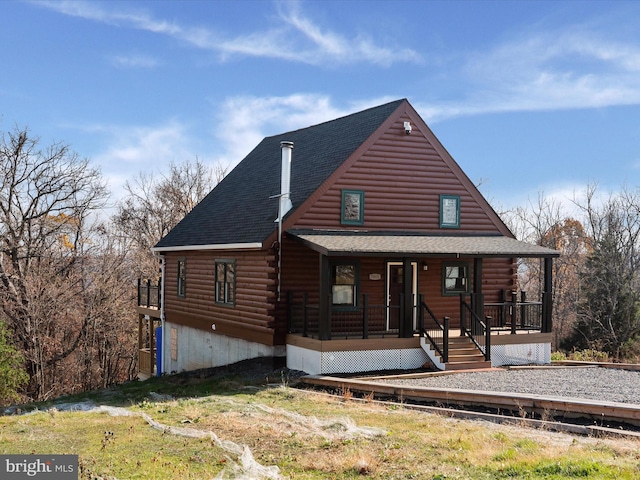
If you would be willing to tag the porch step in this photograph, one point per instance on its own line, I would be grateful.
(463, 355)
(471, 357)
(467, 365)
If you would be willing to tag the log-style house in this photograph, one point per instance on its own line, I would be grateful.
(354, 245)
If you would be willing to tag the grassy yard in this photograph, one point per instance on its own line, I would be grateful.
(225, 426)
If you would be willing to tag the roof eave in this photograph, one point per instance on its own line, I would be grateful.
(220, 246)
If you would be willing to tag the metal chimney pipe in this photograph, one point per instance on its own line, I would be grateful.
(285, 179)
(285, 201)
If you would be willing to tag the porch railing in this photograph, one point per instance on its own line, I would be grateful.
(370, 320)
(436, 332)
(476, 329)
(362, 321)
(149, 293)
(516, 314)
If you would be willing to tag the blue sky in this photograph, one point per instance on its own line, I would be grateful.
(528, 96)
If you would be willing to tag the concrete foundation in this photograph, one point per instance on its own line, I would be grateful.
(186, 348)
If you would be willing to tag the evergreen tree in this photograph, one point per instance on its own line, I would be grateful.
(609, 313)
(12, 372)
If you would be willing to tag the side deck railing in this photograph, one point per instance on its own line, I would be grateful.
(516, 314)
(149, 293)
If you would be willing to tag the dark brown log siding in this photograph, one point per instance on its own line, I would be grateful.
(402, 177)
(300, 270)
(252, 316)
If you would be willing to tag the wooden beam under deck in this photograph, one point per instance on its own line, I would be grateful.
(524, 338)
(150, 311)
(599, 410)
(352, 345)
(395, 343)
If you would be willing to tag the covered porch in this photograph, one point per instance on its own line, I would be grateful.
(465, 332)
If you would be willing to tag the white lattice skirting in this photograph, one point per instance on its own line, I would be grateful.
(316, 363)
(521, 354)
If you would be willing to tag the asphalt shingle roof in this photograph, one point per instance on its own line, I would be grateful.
(371, 243)
(239, 210)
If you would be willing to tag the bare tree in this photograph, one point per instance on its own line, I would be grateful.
(545, 223)
(568, 237)
(155, 204)
(107, 353)
(47, 197)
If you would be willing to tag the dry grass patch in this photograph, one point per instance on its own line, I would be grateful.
(303, 435)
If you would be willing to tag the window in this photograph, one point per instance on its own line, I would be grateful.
(182, 277)
(225, 282)
(344, 285)
(352, 207)
(455, 278)
(449, 211)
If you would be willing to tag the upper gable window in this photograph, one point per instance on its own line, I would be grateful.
(182, 277)
(449, 211)
(352, 210)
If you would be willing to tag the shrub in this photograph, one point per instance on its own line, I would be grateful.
(12, 373)
(589, 355)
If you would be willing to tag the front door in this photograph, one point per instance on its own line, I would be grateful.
(396, 287)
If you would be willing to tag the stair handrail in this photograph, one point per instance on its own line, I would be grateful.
(480, 325)
(443, 350)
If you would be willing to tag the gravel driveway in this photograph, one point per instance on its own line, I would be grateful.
(577, 382)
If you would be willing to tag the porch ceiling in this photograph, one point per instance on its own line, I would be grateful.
(333, 243)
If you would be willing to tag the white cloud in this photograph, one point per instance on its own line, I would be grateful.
(134, 61)
(243, 121)
(145, 145)
(328, 45)
(134, 149)
(572, 69)
(96, 12)
(576, 71)
(294, 37)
